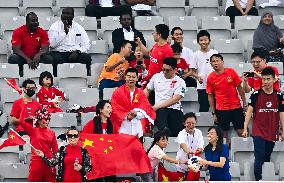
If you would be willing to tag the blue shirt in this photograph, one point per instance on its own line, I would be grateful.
(218, 174)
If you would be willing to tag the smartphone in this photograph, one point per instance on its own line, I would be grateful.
(249, 74)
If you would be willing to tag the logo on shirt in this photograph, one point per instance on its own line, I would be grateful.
(269, 104)
(38, 39)
(153, 60)
(269, 108)
(135, 98)
(173, 84)
(229, 79)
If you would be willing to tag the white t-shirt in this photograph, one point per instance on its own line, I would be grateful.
(106, 3)
(143, 7)
(229, 3)
(166, 88)
(187, 55)
(201, 62)
(193, 141)
(155, 155)
(128, 35)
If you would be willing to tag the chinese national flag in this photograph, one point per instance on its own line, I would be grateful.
(114, 154)
(13, 84)
(167, 176)
(14, 139)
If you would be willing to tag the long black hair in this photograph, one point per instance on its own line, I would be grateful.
(219, 143)
(98, 120)
(159, 135)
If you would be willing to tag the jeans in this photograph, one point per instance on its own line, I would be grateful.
(108, 83)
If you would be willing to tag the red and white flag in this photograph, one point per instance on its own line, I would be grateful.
(13, 84)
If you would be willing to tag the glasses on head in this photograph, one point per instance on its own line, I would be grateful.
(166, 70)
(72, 136)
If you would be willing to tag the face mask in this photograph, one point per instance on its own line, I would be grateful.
(30, 92)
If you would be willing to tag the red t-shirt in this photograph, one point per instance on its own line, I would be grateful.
(223, 87)
(157, 56)
(72, 153)
(133, 64)
(45, 95)
(266, 108)
(30, 42)
(18, 107)
(89, 127)
(182, 64)
(256, 83)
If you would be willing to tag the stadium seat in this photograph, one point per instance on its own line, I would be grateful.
(78, 5)
(60, 122)
(219, 27)
(89, 24)
(239, 67)
(9, 154)
(245, 27)
(108, 93)
(190, 100)
(277, 155)
(9, 8)
(3, 51)
(150, 42)
(235, 171)
(192, 44)
(84, 97)
(147, 143)
(99, 51)
(276, 10)
(8, 96)
(268, 172)
(204, 121)
(86, 117)
(108, 24)
(171, 150)
(278, 65)
(72, 75)
(188, 25)
(3, 121)
(14, 172)
(46, 21)
(281, 172)
(146, 24)
(41, 8)
(34, 74)
(242, 151)
(169, 8)
(8, 71)
(96, 72)
(202, 8)
(249, 50)
(231, 49)
(279, 21)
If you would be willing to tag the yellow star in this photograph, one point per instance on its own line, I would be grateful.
(101, 139)
(181, 179)
(12, 136)
(88, 142)
(165, 178)
(105, 151)
(110, 148)
(109, 141)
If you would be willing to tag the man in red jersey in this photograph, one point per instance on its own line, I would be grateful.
(223, 87)
(158, 53)
(30, 44)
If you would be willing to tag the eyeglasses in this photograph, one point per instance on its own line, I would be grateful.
(72, 136)
(256, 61)
(31, 88)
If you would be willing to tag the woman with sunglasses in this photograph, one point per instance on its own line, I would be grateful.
(73, 161)
(101, 124)
(43, 139)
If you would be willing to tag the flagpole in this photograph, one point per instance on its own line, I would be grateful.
(23, 139)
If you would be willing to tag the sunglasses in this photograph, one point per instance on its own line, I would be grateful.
(72, 136)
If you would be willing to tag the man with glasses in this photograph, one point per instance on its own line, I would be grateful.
(169, 89)
(29, 90)
(223, 89)
(253, 83)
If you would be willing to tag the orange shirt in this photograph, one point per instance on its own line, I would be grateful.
(113, 75)
(223, 87)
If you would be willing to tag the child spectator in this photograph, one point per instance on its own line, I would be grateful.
(191, 143)
(49, 96)
(182, 66)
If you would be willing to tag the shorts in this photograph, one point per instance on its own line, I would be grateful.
(225, 117)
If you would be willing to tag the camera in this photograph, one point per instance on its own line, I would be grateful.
(249, 74)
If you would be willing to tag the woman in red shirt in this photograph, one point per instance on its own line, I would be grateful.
(41, 137)
(73, 161)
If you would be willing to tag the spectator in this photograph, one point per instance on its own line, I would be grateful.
(30, 44)
(254, 82)
(156, 153)
(73, 161)
(217, 156)
(186, 54)
(101, 124)
(266, 105)
(240, 8)
(141, 7)
(158, 53)
(127, 32)
(201, 68)
(130, 107)
(69, 41)
(113, 72)
(104, 8)
(49, 96)
(191, 143)
(182, 66)
(29, 90)
(223, 88)
(42, 138)
(169, 89)
(267, 38)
